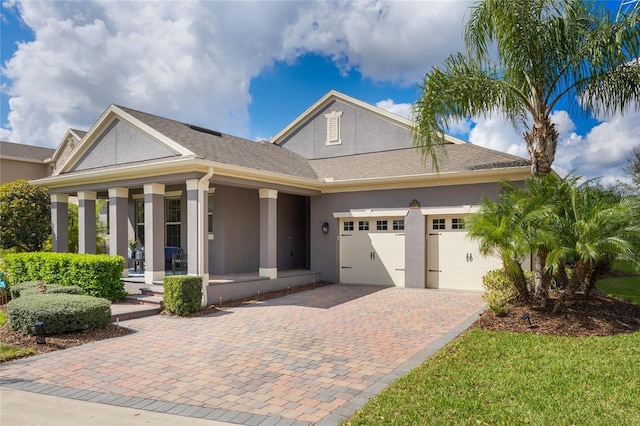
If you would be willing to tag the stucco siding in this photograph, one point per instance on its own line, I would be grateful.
(360, 132)
(120, 144)
(11, 170)
(324, 247)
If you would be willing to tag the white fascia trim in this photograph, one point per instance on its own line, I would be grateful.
(418, 181)
(440, 211)
(372, 213)
(105, 119)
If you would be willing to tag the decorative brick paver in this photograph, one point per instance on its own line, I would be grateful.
(307, 358)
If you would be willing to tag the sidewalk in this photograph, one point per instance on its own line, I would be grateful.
(19, 408)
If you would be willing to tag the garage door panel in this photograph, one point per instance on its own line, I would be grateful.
(371, 256)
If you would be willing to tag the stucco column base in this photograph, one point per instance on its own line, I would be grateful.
(272, 273)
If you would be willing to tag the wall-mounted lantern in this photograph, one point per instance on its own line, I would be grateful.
(325, 228)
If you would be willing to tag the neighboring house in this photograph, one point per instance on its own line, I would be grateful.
(18, 161)
(341, 191)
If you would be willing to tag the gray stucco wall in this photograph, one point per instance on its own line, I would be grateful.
(120, 144)
(361, 132)
(324, 247)
(236, 227)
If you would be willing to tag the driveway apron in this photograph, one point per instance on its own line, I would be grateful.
(307, 358)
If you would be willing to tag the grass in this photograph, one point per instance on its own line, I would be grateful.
(626, 288)
(501, 378)
(8, 352)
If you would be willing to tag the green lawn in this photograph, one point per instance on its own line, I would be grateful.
(8, 352)
(501, 378)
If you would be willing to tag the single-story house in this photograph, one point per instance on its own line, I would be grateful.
(340, 192)
(19, 161)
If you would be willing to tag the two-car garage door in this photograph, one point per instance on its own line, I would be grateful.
(372, 251)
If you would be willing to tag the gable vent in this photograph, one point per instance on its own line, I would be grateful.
(203, 130)
(333, 127)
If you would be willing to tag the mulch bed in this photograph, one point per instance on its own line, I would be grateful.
(597, 315)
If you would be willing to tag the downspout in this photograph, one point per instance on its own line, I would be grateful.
(202, 201)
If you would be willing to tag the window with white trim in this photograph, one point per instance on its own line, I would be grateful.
(348, 225)
(457, 223)
(172, 221)
(210, 214)
(140, 220)
(363, 225)
(333, 127)
(381, 225)
(438, 224)
(398, 224)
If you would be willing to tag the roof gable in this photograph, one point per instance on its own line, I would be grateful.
(118, 138)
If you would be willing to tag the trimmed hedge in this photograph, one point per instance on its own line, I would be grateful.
(97, 274)
(60, 313)
(31, 288)
(182, 294)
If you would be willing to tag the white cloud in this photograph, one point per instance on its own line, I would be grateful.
(403, 110)
(194, 61)
(495, 132)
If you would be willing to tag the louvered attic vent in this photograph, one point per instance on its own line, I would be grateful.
(203, 130)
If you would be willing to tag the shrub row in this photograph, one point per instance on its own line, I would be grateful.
(60, 313)
(98, 274)
(182, 294)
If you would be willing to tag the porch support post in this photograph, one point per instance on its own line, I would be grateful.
(153, 232)
(192, 227)
(268, 233)
(118, 222)
(87, 222)
(60, 223)
(415, 248)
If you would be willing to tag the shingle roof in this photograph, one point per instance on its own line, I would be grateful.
(26, 152)
(229, 149)
(408, 162)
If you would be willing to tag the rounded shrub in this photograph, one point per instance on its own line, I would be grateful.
(500, 291)
(182, 294)
(30, 288)
(60, 313)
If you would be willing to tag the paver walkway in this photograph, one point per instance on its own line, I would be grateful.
(308, 358)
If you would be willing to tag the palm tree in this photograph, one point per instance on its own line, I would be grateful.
(547, 53)
(506, 229)
(592, 229)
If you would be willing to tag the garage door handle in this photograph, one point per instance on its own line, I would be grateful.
(435, 270)
(372, 255)
(346, 267)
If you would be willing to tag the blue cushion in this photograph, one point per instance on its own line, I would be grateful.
(169, 252)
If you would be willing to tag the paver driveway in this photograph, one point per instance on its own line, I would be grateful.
(307, 358)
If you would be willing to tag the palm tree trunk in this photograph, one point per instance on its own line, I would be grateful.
(541, 140)
(581, 272)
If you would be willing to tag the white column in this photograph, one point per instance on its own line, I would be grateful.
(154, 232)
(268, 233)
(119, 222)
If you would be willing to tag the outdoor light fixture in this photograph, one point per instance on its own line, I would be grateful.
(414, 204)
(526, 316)
(39, 326)
(325, 227)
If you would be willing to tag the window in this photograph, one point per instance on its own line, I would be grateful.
(381, 225)
(438, 224)
(363, 225)
(172, 220)
(140, 221)
(333, 127)
(210, 214)
(457, 223)
(348, 225)
(398, 224)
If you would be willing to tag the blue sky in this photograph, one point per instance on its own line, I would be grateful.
(249, 68)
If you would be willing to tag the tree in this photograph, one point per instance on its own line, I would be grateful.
(547, 52)
(633, 169)
(26, 216)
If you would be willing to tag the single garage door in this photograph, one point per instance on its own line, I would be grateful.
(372, 251)
(453, 259)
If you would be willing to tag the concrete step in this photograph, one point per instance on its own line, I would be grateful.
(131, 310)
(153, 290)
(145, 299)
